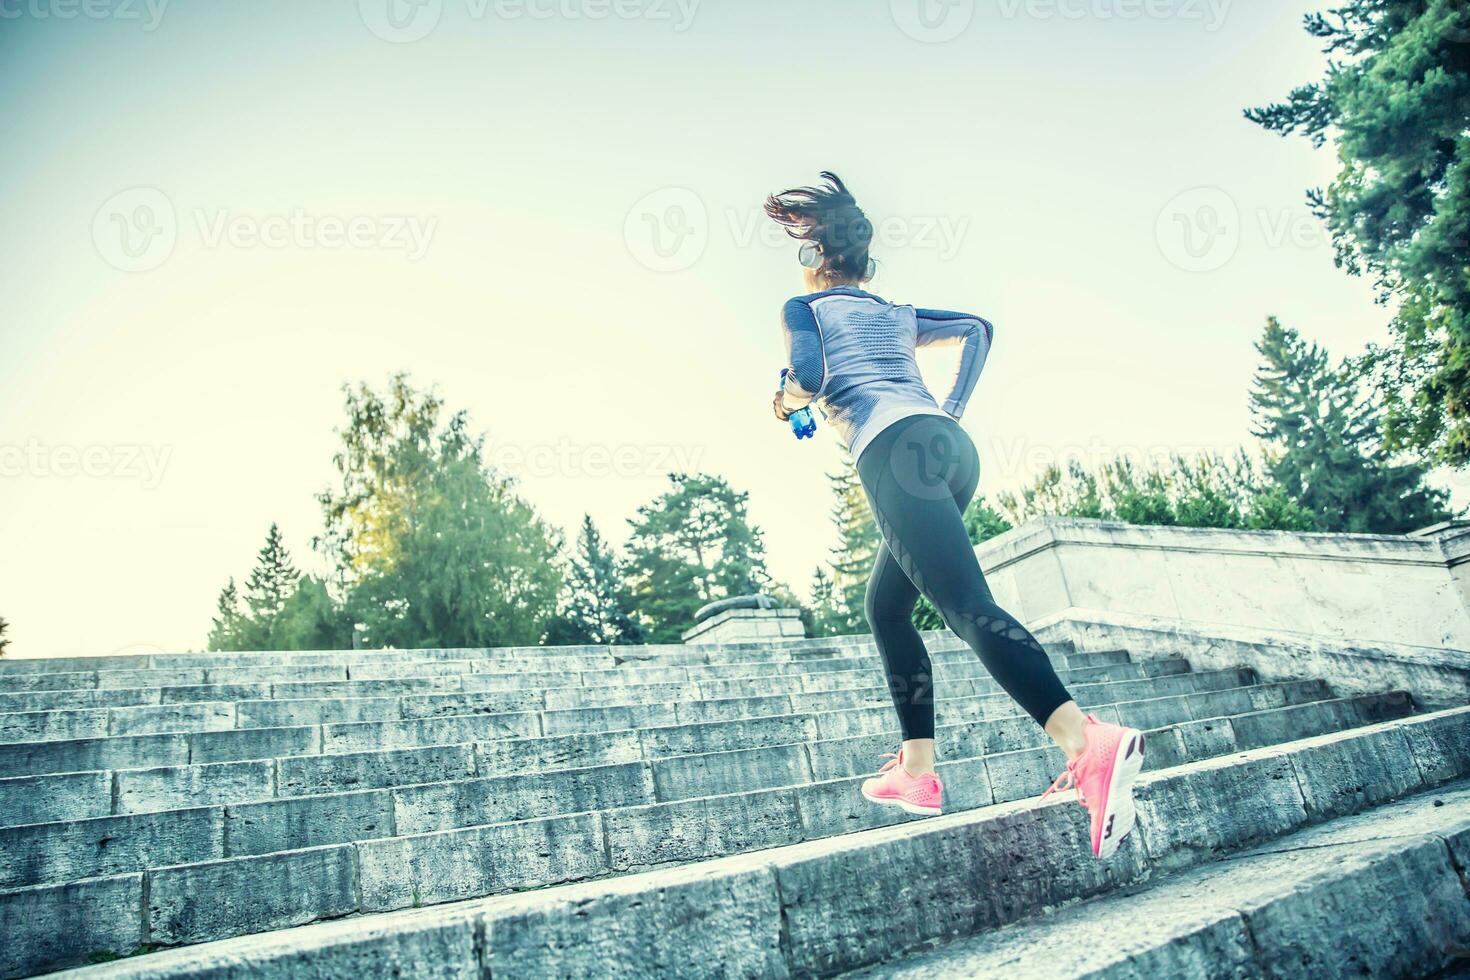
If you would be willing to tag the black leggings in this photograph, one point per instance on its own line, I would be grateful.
(919, 475)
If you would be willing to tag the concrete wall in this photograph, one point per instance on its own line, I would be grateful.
(1363, 608)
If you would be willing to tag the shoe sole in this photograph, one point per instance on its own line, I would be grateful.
(1120, 815)
(905, 805)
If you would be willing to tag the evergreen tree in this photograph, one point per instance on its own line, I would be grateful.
(228, 628)
(828, 618)
(599, 607)
(271, 585)
(691, 545)
(4, 640)
(1327, 452)
(430, 546)
(852, 559)
(1396, 101)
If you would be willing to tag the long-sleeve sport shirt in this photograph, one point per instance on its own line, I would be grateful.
(852, 353)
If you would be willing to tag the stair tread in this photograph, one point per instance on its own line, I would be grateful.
(793, 908)
(82, 834)
(1135, 927)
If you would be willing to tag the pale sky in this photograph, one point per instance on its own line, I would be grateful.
(220, 212)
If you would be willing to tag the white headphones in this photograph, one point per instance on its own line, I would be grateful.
(810, 257)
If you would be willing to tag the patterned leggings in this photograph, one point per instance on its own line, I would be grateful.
(919, 475)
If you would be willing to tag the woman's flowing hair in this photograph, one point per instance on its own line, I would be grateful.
(829, 216)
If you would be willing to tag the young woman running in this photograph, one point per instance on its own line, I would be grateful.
(852, 354)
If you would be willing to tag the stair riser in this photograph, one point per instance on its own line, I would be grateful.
(641, 830)
(137, 751)
(74, 796)
(515, 658)
(73, 723)
(794, 910)
(471, 674)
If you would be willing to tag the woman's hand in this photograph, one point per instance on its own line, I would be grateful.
(780, 406)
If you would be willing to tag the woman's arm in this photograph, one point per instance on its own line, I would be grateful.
(973, 334)
(806, 362)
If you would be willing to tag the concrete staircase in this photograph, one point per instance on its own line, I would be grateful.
(688, 810)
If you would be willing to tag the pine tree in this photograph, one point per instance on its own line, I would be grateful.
(691, 545)
(270, 586)
(1324, 435)
(827, 614)
(4, 641)
(1395, 101)
(852, 559)
(599, 604)
(227, 629)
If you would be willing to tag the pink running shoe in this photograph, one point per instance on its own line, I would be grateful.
(1103, 776)
(893, 786)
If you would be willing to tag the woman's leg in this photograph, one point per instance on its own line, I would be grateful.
(890, 610)
(919, 479)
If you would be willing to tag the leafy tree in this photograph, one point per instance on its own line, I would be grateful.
(4, 640)
(691, 545)
(311, 620)
(1137, 498)
(1073, 493)
(1396, 100)
(983, 521)
(1208, 491)
(599, 605)
(1327, 452)
(430, 546)
(229, 628)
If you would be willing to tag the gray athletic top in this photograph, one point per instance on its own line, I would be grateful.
(852, 353)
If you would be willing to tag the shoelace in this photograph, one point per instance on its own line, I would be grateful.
(888, 765)
(1068, 780)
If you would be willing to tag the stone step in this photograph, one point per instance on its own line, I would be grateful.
(75, 723)
(1290, 908)
(629, 797)
(38, 692)
(813, 908)
(514, 658)
(242, 745)
(225, 669)
(76, 796)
